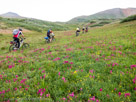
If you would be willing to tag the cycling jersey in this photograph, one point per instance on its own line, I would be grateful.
(18, 34)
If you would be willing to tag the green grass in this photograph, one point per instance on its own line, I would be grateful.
(72, 68)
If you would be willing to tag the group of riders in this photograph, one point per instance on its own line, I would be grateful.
(50, 34)
(84, 29)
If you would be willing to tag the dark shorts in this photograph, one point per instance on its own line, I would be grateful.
(49, 36)
(17, 40)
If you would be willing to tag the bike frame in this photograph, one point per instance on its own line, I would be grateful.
(21, 42)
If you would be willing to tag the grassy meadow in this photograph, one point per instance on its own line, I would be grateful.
(98, 66)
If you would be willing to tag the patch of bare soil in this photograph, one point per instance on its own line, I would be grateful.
(10, 30)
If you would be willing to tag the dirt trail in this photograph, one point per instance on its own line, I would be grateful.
(9, 31)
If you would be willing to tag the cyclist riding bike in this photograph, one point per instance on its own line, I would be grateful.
(52, 36)
(83, 29)
(16, 37)
(49, 34)
(77, 31)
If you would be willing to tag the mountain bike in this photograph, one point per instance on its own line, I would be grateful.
(47, 40)
(14, 45)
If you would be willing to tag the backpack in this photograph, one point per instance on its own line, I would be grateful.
(15, 31)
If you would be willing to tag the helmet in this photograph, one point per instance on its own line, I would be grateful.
(20, 29)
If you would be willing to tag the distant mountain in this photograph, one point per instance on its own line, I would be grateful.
(116, 13)
(11, 15)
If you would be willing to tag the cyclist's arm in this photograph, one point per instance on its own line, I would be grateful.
(22, 35)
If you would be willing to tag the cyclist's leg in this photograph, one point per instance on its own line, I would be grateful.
(17, 39)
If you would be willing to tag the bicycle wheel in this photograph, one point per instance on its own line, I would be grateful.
(53, 39)
(11, 48)
(25, 46)
(47, 41)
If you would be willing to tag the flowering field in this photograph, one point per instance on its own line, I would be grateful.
(98, 66)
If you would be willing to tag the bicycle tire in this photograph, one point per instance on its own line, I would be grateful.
(54, 40)
(25, 46)
(47, 41)
(11, 48)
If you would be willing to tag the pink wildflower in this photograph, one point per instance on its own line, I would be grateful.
(43, 71)
(108, 96)
(97, 100)
(93, 99)
(63, 78)
(100, 89)
(119, 94)
(91, 71)
(134, 80)
(10, 66)
(56, 59)
(81, 89)
(64, 99)
(3, 91)
(114, 64)
(49, 53)
(15, 89)
(111, 71)
(26, 89)
(40, 77)
(133, 66)
(41, 93)
(59, 73)
(72, 94)
(127, 94)
(44, 90)
(71, 63)
(65, 62)
(47, 95)
(44, 76)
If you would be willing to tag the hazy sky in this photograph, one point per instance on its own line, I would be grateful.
(60, 10)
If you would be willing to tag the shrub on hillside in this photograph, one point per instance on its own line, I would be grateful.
(92, 22)
(104, 22)
(95, 25)
(130, 18)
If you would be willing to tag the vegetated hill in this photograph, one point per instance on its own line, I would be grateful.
(11, 15)
(31, 24)
(116, 13)
(12, 20)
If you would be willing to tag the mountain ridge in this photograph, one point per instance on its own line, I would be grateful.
(115, 13)
(11, 15)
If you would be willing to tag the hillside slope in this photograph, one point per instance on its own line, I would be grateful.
(31, 24)
(99, 65)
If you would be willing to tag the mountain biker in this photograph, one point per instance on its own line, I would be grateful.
(16, 37)
(86, 29)
(83, 29)
(52, 36)
(48, 34)
(77, 31)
